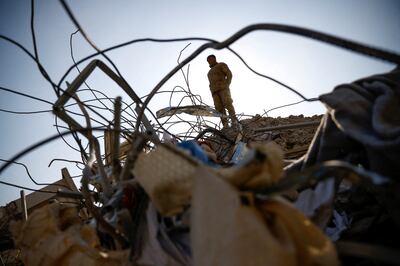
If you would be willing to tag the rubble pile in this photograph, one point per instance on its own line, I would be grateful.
(294, 142)
(7, 214)
(234, 196)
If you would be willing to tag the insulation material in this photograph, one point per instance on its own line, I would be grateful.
(229, 228)
(166, 176)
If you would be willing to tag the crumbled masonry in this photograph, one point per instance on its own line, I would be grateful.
(293, 142)
(319, 190)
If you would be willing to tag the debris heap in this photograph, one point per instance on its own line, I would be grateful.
(235, 196)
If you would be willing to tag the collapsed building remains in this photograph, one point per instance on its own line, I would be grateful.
(319, 190)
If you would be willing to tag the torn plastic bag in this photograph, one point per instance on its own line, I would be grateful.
(158, 248)
(260, 167)
(317, 203)
(341, 222)
(239, 153)
(196, 151)
(53, 235)
(228, 228)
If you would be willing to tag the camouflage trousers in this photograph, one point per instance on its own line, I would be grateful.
(222, 102)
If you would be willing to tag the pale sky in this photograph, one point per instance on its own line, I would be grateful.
(310, 67)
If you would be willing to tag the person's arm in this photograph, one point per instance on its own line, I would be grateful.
(227, 72)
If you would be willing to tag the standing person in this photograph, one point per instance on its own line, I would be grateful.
(220, 78)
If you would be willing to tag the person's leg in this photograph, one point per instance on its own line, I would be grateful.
(228, 104)
(220, 107)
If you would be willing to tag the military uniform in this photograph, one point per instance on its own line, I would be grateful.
(220, 77)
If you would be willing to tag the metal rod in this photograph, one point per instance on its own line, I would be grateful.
(58, 107)
(291, 126)
(69, 194)
(138, 143)
(96, 213)
(116, 166)
(23, 206)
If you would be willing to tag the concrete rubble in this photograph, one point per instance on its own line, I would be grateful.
(319, 190)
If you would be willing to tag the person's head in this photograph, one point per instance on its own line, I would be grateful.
(211, 59)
